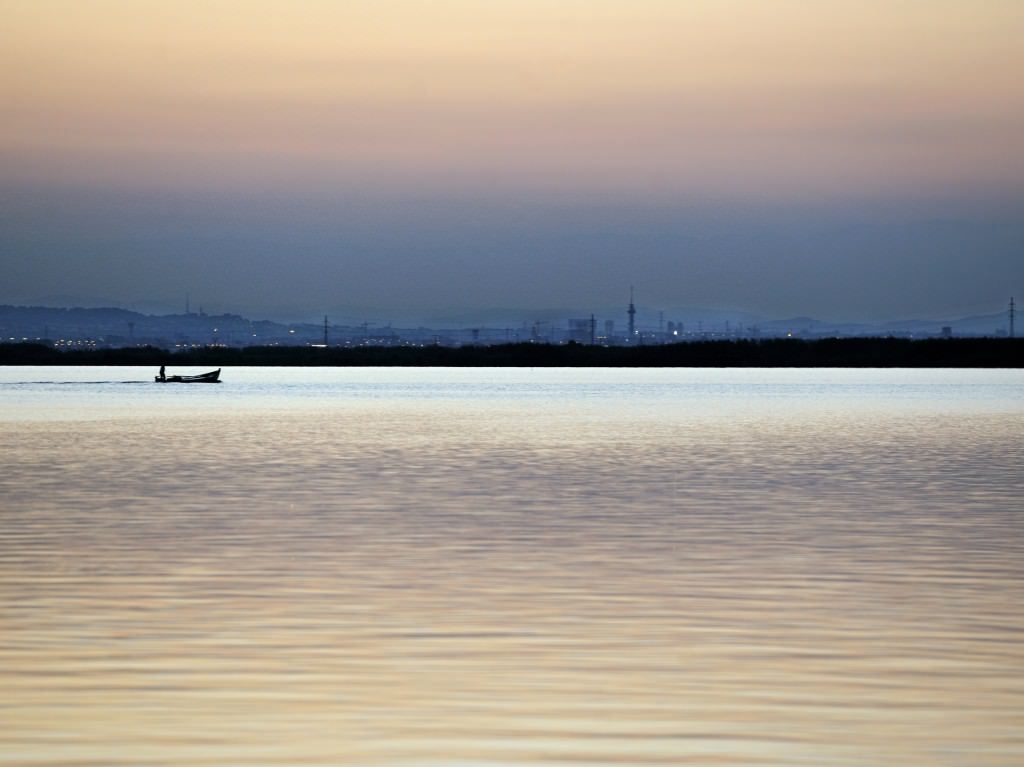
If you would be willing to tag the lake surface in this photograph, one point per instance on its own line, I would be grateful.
(487, 568)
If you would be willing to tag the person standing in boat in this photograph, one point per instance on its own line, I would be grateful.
(163, 375)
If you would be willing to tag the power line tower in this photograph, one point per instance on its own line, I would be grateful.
(632, 316)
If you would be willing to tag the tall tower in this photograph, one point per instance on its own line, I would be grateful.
(1013, 313)
(632, 316)
(325, 330)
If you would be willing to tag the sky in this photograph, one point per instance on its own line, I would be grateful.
(376, 159)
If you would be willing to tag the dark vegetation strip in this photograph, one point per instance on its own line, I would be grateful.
(837, 352)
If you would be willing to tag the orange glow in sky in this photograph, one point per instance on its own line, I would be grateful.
(731, 96)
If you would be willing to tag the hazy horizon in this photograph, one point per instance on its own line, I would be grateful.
(716, 319)
(849, 162)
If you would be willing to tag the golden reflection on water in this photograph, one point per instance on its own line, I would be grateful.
(469, 584)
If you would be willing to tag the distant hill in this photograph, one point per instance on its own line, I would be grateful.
(115, 327)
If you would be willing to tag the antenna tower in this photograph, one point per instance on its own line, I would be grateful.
(1013, 314)
(325, 330)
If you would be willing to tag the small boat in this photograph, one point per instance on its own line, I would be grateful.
(211, 377)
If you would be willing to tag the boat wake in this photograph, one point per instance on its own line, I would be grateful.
(67, 383)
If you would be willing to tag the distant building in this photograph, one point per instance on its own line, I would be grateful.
(947, 331)
(579, 331)
(632, 316)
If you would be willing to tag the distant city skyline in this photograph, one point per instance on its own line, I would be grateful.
(76, 327)
(647, 316)
(849, 161)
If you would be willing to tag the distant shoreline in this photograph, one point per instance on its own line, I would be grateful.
(838, 352)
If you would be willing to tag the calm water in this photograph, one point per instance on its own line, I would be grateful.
(486, 568)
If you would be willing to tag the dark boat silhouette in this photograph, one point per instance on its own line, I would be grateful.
(211, 377)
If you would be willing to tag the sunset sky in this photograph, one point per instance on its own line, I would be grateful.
(849, 160)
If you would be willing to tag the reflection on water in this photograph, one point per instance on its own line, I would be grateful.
(605, 575)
